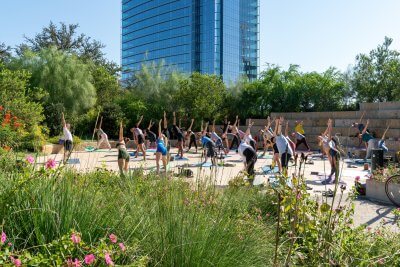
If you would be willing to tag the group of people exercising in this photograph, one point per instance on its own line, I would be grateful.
(214, 144)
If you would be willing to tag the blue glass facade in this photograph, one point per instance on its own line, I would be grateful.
(210, 36)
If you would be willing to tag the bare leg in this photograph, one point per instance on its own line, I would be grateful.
(164, 161)
(121, 166)
(158, 156)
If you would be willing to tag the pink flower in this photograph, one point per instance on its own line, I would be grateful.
(9, 244)
(381, 261)
(357, 178)
(3, 237)
(75, 238)
(30, 159)
(108, 259)
(17, 262)
(50, 164)
(113, 238)
(122, 246)
(76, 263)
(89, 259)
(398, 209)
(369, 228)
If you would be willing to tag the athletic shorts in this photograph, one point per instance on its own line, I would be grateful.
(253, 144)
(68, 145)
(275, 147)
(210, 149)
(140, 138)
(161, 149)
(123, 154)
(333, 153)
(250, 155)
(179, 136)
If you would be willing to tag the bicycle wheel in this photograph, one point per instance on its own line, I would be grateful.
(392, 188)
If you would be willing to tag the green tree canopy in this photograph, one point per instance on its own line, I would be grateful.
(376, 76)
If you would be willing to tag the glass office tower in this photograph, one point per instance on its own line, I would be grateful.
(209, 36)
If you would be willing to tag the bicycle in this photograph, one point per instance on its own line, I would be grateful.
(392, 189)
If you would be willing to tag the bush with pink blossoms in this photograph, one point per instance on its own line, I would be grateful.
(70, 250)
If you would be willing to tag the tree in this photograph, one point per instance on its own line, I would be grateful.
(376, 76)
(5, 52)
(201, 96)
(65, 38)
(15, 100)
(65, 79)
(107, 86)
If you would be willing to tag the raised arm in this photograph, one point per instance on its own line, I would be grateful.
(327, 126)
(121, 132)
(276, 126)
(384, 133)
(159, 129)
(280, 121)
(139, 122)
(227, 128)
(101, 122)
(365, 128)
(213, 126)
(150, 125)
(64, 124)
(362, 116)
(248, 130)
(174, 119)
(329, 129)
(287, 128)
(165, 120)
(191, 125)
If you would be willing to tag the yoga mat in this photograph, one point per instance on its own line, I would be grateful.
(204, 165)
(73, 161)
(265, 156)
(267, 169)
(274, 181)
(151, 150)
(90, 149)
(180, 159)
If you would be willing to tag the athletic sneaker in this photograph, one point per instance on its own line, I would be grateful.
(327, 181)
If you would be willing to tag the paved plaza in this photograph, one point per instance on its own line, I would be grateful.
(371, 213)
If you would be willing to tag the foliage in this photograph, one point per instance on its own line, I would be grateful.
(19, 115)
(201, 96)
(5, 52)
(382, 174)
(321, 231)
(176, 224)
(376, 76)
(107, 87)
(71, 250)
(65, 79)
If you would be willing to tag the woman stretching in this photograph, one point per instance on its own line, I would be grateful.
(216, 139)
(235, 133)
(139, 137)
(102, 136)
(248, 138)
(248, 153)
(334, 154)
(225, 136)
(151, 136)
(208, 144)
(123, 156)
(161, 152)
(178, 133)
(191, 136)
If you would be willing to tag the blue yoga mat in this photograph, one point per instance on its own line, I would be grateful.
(180, 159)
(205, 165)
(267, 169)
(73, 161)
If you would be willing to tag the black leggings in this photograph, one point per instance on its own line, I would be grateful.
(302, 141)
(251, 159)
(235, 141)
(285, 159)
(192, 141)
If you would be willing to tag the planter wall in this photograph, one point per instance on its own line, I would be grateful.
(376, 191)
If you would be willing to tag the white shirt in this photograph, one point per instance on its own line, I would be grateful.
(67, 134)
(242, 147)
(283, 145)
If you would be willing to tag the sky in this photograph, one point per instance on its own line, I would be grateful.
(314, 34)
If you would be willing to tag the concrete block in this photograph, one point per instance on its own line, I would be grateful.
(376, 191)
